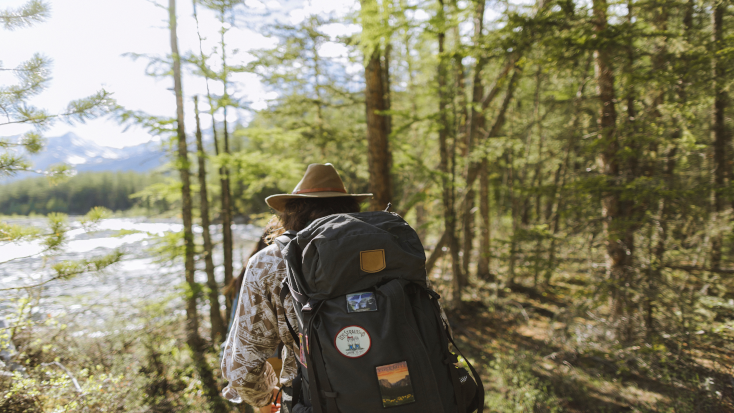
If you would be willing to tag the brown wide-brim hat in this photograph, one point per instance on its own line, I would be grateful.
(320, 181)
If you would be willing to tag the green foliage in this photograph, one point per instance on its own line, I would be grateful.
(58, 227)
(94, 217)
(17, 233)
(32, 78)
(117, 191)
(126, 370)
(33, 11)
(68, 269)
(515, 388)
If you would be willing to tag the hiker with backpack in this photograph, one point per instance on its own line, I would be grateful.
(346, 292)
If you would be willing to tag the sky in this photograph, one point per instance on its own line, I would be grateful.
(88, 39)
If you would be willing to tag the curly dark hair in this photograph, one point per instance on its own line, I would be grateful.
(298, 213)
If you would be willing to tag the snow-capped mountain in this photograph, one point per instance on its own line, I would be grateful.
(85, 155)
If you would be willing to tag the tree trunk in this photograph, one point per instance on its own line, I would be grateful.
(474, 123)
(485, 241)
(473, 173)
(661, 226)
(224, 185)
(378, 155)
(386, 82)
(227, 244)
(219, 329)
(718, 128)
(193, 339)
(227, 219)
(447, 182)
(615, 235)
(514, 207)
(420, 220)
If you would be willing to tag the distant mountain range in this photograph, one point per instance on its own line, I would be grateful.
(86, 156)
(405, 382)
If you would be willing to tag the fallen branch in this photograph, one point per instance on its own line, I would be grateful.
(68, 373)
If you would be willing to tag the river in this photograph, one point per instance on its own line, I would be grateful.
(91, 302)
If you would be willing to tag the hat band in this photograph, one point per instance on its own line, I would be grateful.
(305, 191)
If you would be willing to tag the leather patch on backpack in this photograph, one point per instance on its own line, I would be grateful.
(372, 261)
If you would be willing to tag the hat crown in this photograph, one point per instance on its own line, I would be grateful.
(320, 178)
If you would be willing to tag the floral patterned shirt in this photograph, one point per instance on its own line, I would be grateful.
(258, 327)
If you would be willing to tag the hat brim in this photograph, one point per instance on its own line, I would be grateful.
(277, 202)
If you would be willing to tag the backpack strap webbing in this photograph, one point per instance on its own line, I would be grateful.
(284, 290)
(324, 387)
(318, 382)
(296, 385)
(450, 359)
(480, 385)
(282, 241)
(453, 371)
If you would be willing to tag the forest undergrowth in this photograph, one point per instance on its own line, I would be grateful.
(540, 350)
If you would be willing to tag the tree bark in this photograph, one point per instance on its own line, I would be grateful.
(485, 241)
(718, 128)
(474, 123)
(193, 339)
(378, 155)
(219, 329)
(224, 185)
(227, 243)
(615, 235)
(386, 82)
(661, 225)
(447, 182)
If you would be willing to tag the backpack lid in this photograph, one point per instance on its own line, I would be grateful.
(343, 253)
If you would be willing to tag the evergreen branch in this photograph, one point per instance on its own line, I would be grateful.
(69, 269)
(79, 110)
(10, 164)
(35, 11)
(41, 284)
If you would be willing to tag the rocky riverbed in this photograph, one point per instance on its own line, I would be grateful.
(91, 303)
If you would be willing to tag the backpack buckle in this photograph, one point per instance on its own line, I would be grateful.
(433, 294)
(309, 306)
(451, 359)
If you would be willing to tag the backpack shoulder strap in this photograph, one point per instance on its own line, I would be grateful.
(282, 242)
(283, 239)
(446, 338)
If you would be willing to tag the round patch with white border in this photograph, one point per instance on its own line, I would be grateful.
(353, 341)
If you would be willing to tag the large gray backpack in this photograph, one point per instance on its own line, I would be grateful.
(370, 332)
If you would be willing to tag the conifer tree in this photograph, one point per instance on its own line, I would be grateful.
(34, 76)
(193, 339)
(376, 103)
(219, 329)
(721, 144)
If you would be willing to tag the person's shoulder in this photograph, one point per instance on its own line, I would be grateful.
(269, 254)
(264, 267)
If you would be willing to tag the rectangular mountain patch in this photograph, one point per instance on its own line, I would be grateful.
(395, 386)
(361, 302)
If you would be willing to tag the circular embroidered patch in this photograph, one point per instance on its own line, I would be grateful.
(352, 341)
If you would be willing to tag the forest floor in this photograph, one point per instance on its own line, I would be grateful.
(536, 354)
